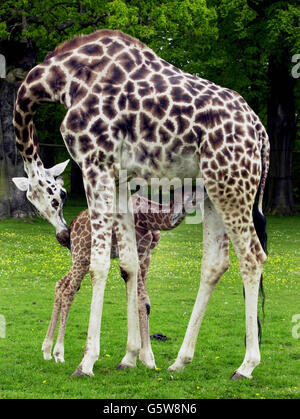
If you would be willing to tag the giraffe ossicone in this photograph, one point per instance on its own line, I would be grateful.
(128, 109)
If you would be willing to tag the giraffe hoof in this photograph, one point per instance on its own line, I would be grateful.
(80, 373)
(124, 366)
(47, 356)
(176, 367)
(59, 359)
(237, 376)
(148, 364)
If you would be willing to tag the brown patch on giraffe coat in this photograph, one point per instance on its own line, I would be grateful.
(190, 137)
(205, 150)
(157, 106)
(221, 159)
(114, 48)
(174, 80)
(147, 127)
(70, 142)
(126, 61)
(178, 94)
(108, 107)
(140, 74)
(202, 101)
(159, 83)
(85, 144)
(90, 106)
(91, 49)
(105, 142)
(56, 79)
(228, 126)
(164, 135)
(77, 92)
(39, 93)
(238, 151)
(32, 76)
(216, 138)
(182, 124)
(144, 89)
(169, 125)
(77, 120)
(143, 154)
(80, 69)
(137, 55)
(114, 75)
(18, 118)
(133, 102)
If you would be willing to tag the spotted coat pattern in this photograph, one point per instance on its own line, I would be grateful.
(150, 218)
(129, 109)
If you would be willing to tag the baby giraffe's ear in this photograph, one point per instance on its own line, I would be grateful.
(57, 169)
(21, 183)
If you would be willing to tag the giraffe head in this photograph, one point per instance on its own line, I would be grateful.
(45, 191)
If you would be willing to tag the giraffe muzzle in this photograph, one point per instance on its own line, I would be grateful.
(63, 238)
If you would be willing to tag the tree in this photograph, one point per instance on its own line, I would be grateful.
(257, 39)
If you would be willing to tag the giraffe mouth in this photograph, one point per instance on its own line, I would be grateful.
(63, 238)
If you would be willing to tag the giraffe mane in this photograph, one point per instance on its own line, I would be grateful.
(81, 39)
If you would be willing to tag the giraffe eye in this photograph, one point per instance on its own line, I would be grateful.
(63, 196)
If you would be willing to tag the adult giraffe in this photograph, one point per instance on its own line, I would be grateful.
(130, 110)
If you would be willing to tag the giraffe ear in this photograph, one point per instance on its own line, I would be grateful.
(57, 169)
(21, 183)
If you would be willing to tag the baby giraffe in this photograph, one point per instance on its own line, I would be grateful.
(150, 217)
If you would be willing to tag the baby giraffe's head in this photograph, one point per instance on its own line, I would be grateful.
(44, 189)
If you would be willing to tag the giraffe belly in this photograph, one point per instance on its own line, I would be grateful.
(156, 162)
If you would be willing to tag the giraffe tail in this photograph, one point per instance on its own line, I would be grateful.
(265, 153)
(259, 220)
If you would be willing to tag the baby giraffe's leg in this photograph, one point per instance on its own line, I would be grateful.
(76, 275)
(146, 241)
(48, 341)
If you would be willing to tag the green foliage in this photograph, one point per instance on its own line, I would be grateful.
(180, 30)
(227, 41)
(31, 261)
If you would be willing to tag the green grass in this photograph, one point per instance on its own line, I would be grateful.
(31, 261)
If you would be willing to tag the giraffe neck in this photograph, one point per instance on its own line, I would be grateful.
(29, 97)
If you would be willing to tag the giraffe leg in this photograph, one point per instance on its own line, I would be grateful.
(146, 241)
(215, 262)
(76, 275)
(125, 234)
(101, 207)
(48, 341)
(251, 260)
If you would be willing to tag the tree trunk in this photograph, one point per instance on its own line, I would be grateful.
(282, 134)
(13, 203)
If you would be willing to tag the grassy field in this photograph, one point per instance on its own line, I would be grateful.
(31, 261)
